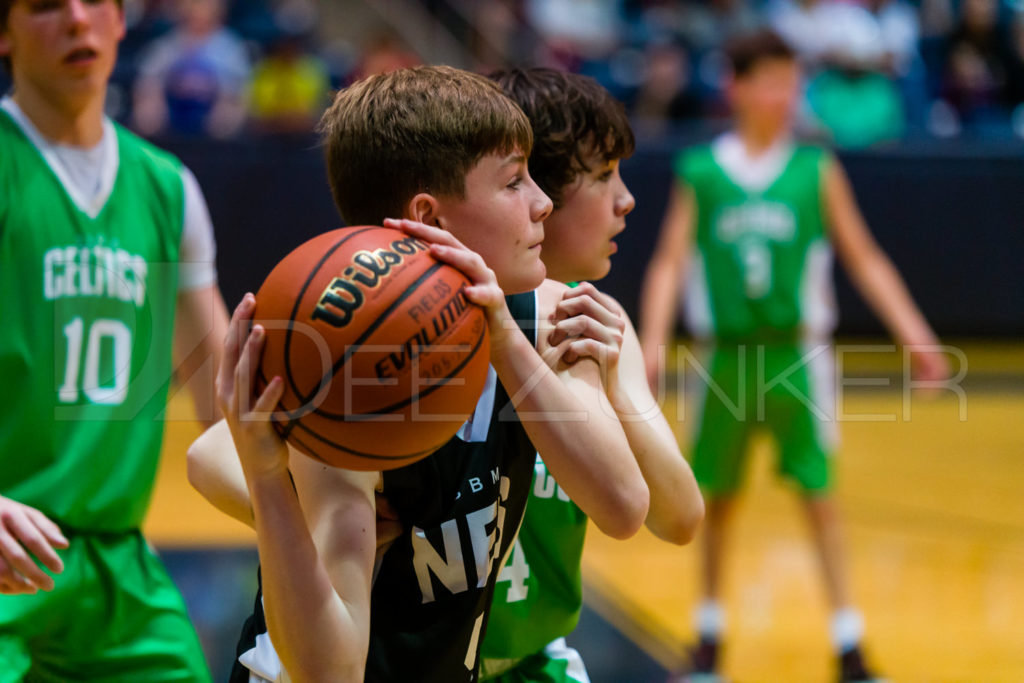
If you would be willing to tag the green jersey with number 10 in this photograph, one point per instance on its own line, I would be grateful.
(88, 310)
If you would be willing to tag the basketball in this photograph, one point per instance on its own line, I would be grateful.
(383, 358)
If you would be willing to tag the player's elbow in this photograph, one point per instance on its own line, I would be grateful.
(303, 669)
(195, 467)
(626, 513)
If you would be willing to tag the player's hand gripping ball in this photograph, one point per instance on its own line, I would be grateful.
(383, 358)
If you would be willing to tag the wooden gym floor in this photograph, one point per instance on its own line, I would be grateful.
(933, 507)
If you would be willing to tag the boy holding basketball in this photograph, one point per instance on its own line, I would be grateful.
(420, 614)
(752, 222)
(539, 594)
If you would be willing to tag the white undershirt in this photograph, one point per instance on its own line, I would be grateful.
(753, 174)
(88, 175)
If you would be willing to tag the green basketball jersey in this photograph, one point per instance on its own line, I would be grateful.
(762, 263)
(88, 309)
(539, 591)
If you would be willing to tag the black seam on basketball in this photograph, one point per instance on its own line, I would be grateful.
(354, 346)
(439, 382)
(298, 302)
(371, 456)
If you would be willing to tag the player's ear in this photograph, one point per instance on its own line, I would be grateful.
(424, 208)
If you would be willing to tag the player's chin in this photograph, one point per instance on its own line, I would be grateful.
(528, 277)
(596, 269)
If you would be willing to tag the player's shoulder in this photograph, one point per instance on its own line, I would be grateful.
(812, 153)
(131, 144)
(694, 156)
(548, 295)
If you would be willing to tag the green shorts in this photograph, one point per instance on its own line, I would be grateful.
(786, 390)
(556, 663)
(114, 615)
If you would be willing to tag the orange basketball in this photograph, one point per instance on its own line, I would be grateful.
(383, 358)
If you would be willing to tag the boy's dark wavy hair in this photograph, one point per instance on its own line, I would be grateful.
(573, 118)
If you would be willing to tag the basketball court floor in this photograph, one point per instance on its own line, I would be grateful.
(932, 494)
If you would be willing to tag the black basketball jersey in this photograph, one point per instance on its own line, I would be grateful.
(460, 509)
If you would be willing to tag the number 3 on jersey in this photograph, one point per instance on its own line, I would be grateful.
(516, 572)
(756, 259)
(104, 333)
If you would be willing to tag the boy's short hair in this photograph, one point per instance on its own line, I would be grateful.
(748, 50)
(421, 129)
(573, 117)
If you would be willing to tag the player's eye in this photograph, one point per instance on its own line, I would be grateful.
(515, 182)
(41, 6)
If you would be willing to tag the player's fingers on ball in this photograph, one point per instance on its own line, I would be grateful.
(248, 364)
(469, 262)
(232, 343)
(268, 400)
(48, 528)
(486, 296)
(430, 233)
(22, 563)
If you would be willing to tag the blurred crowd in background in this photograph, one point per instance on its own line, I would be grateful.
(876, 70)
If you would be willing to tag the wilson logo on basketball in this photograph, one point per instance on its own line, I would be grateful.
(344, 295)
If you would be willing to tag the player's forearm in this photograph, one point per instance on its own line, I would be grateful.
(215, 472)
(882, 287)
(309, 622)
(581, 442)
(657, 305)
(676, 507)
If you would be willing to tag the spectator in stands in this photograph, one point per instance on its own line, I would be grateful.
(383, 53)
(194, 79)
(289, 86)
(851, 60)
(665, 96)
(980, 65)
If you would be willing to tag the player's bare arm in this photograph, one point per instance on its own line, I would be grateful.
(875, 276)
(216, 473)
(665, 272)
(317, 611)
(201, 321)
(676, 507)
(582, 444)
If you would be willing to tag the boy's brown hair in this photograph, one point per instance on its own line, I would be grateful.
(573, 117)
(414, 130)
(745, 52)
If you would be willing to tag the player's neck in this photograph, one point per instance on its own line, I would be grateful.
(758, 140)
(63, 122)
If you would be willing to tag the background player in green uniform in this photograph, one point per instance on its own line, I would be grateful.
(751, 222)
(95, 227)
(467, 143)
(580, 132)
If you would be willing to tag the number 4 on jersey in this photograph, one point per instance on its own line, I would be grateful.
(516, 572)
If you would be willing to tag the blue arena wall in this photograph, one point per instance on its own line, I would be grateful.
(951, 217)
